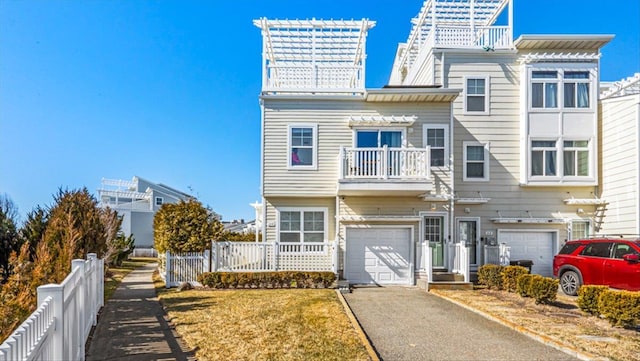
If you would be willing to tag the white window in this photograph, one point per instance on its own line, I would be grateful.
(302, 225)
(476, 96)
(436, 136)
(159, 201)
(580, 229)
(544, 89)
(544, 156)
(576, 158)
(576, 89)
(476, 161)
(302, 146)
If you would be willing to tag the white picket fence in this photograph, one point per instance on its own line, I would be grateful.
(59, 327)
(248, 257)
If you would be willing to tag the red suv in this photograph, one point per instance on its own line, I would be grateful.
(599, 261)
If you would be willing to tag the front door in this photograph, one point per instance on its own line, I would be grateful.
(434, 234)
(468, 234)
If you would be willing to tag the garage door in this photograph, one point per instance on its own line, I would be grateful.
(535, 246)
(378, 256)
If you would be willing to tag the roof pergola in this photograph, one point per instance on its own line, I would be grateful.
(456, 23)
(313, 55)
(628, 86)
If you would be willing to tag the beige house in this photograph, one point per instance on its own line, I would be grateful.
(478, 140)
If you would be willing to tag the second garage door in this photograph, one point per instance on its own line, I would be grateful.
(535, 246)
(378, 256)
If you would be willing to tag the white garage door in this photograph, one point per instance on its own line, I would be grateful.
(535, 246)
(378, 255)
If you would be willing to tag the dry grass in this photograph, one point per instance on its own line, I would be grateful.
(303, 324)
(563, 322)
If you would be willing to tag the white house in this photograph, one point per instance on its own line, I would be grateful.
(478, 140)
(620, 163)
(137, 201)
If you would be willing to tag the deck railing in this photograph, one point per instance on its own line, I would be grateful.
(314, 78)
(60, 326)
(459, 253)
(385, 163)
(499, 254)
(490, 37)
(248, 257)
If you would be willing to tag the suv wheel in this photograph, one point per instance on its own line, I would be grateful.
(570, 282)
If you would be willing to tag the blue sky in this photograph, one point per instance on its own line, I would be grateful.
(168, 90)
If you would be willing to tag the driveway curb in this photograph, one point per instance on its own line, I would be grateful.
(534, 335)
(356, 325)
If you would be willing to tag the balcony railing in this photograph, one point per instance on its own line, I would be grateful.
(314, 78)
(489, 37)
(385, 163)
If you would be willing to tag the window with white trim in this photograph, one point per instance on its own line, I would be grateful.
(576, 89)
(544, 154)
(476, 95)
(544, 89)
(302, 225)
(159, 201)
(437, 138)
(302, 146)
(576, 158)
(476, 161)
(580, 229)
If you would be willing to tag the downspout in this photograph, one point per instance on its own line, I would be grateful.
(452, 175)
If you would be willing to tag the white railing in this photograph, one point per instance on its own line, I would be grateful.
(59, 327)
(427, 252)
(459, 253)
(321, 78)
(177, 268)
(248, 257)
(385, 163)
(505, 254)
(499, 254)
(494, 37)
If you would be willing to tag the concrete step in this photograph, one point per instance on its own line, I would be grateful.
(447, 277)
(443, 285)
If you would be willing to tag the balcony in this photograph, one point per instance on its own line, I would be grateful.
(384, 171)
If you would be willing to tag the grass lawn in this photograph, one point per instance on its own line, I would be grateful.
(296, 324)
(115, 274)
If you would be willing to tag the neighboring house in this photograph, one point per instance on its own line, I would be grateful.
(478, 140)
(239, 226)
(620, 163)
(137, 201)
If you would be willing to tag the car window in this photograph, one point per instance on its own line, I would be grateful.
(620, 249)
(597, 249)
(568, 248)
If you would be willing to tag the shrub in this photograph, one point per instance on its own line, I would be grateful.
(490, 275)
(523, 284)
(544, 289)
(510, 276)
(620, 308)
(588, 298)
(285, 279)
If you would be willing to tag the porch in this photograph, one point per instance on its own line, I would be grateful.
(390, 170)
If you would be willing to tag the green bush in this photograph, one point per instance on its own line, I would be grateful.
(510, 276)
(490, 275)
(588, 298)
(620, 308)
(285, 279)
(523, 284)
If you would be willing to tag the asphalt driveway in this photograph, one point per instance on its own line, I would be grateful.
(407, 323)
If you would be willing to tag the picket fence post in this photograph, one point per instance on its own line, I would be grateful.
(56, 292)
(167, 269)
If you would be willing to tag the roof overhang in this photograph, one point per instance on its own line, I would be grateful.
(411, 94)
(564, 42)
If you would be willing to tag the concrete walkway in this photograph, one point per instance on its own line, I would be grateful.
(406, 323)
(133, 325)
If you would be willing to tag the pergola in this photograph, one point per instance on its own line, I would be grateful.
(457, 24)
(313, 56)
(628, 86)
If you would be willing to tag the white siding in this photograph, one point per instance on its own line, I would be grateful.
(620, 164)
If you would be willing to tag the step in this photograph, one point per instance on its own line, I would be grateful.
(442, 285)
(447, 277)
